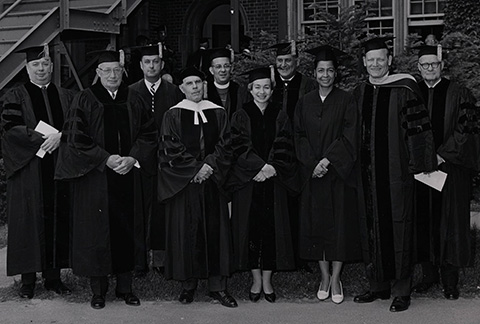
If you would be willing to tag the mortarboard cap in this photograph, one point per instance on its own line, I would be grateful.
(108, 56)
(220, 52)
(153, 49)
(35, 52)
(264, 72)
(289, 48)
(191, 71)
(326, 53)
(376, 43)
(429, 50)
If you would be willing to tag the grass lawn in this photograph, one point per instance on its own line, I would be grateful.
(292, 286)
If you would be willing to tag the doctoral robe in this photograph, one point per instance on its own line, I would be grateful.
(108, 219)
(166, 96)
(328, 209)
(198, 243)
(262, 236)
(236, 97)
(443, 218)
(286, 94)
(37, 206)
(396, 142)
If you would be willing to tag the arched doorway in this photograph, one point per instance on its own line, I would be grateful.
(211, 19)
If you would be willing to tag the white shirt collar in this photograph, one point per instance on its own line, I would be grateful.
(149, 84)
(221, 86)
(433, 86)
(41, 86)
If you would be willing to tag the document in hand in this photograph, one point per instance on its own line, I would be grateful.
(435, 179)
(44, 129)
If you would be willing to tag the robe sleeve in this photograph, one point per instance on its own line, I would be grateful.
(462, 146)
(304, 152)
(221, 158)
(246, 162)
(282, 155)
(417, 133)
(19, 142)
(79, 153)
(176, 166)
(342, 153)
(144, 147)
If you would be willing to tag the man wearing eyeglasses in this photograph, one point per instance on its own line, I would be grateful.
(37, 206)
(443, 218)
(221, 89)
(109, 140)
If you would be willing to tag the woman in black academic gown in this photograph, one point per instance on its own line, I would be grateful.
(326, 133)
(261, 174)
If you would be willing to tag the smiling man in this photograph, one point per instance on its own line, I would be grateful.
(37, 206)
(194, 157)
(396, 142)
(109, 140)
(222, 90)
(443, 218)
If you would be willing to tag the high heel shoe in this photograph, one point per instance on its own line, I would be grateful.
(323, 294)
(254, 297)
(270, 297)
(338, 298)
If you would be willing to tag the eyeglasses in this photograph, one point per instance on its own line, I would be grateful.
(116, 71)
(434, 65)
(220, 66)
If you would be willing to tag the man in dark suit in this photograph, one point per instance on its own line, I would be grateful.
(161, 95)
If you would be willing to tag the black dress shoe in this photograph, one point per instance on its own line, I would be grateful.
(186, 296)
(57, 286)
(224, 298)
(129, 298)
(370, 296)
(451, 293)
(400, 304)
(97, 302)
(422, 287)
(254, 297)
(270, 297)
(27, 290)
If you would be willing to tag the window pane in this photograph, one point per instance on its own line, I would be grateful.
(416, 9)
(430, 7)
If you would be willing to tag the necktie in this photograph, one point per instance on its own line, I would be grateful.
(113, 95)
(152, 90)
(47, 105)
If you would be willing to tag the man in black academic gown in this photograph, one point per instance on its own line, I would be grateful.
(109, 139)
(290, 86)
(443, 218)
(161, 95)
(37, 206)
(396, 141)
(194, 157)
(221, 89)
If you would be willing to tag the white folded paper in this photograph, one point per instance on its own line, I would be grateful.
(44, 129)
(435, 179)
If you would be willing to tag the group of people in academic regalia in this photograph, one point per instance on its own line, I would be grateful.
(210, 177)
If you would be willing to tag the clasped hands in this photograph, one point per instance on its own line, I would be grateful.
(321, 169)
(267, 172)
(203, 174)
(121, 164)
(51, 143)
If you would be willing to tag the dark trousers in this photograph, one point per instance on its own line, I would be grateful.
(215, 283)
(398, 287)
(99, 285)
(448, 272)
(48, 275)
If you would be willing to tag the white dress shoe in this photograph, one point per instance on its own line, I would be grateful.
(338, 298)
